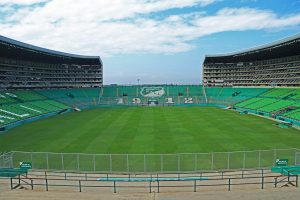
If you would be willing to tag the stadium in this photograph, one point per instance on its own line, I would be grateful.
(56, 114)
(59, 121)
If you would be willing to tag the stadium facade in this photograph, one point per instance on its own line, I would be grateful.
(24, 66)
(271, 65)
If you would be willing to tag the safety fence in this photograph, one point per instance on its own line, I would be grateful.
(225, 180)
(184, 162)
(6, 160)
(297, 159)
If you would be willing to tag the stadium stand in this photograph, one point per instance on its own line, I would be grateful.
(39, 68)
(56, 81)
(281, 103)
(293, 115)
(275, 64)
(36, 67)
(230, 96)
(74, 97)
(20, 105)
(128, 95)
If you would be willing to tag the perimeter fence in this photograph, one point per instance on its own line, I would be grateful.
(203, 181)
(134, 163)
(6, 159)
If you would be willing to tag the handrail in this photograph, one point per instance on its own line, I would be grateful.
(154, 184)
(87, 175)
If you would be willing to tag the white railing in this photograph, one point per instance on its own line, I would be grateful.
(182, 162)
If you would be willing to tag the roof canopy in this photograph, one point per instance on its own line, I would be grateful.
(10, 48)
(283, 48)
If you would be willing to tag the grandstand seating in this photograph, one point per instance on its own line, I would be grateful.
(20, 105)
(74, 97)
(229, 96)
(277, 93)
(274, 101)
(293, 115)
(278, 105)
(125, 95)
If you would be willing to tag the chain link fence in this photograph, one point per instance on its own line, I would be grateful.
(297, 161)
(6, 160)
(185, 162)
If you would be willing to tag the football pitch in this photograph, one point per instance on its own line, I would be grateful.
(150, 130)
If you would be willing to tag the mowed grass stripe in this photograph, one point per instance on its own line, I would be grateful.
(150, 130)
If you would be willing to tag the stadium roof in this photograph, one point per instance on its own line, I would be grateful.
(285, 47)
(40, 50)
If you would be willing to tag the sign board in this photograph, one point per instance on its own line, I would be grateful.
(282, 162)
(25, 165)
(152, 92)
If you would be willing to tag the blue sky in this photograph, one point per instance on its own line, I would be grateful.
(156, 41)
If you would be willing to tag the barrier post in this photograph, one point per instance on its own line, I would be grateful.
(228, 160)
(31, 184)
(229, 184)
(115, 189)
(12, 160)
(195, 185)
(150, 186)
(178, 163)
(31, 158)
(275, 184)
(110, 162)
(295, 157)
(145, 163)
(161, 163)
(262, 182)
(296, 180)
(196, 162)
(212, 160)
(62, 161)
(244, 160)
(94, 161)
(158, 186)
(127, 162)
(46, 184)
(275, 155)
(79, 184)
(47, 160)
(11, 184)
(222, 176)
(259, 159)
(78, 164)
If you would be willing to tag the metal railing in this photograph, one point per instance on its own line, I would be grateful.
(259, 179)
(183, 162)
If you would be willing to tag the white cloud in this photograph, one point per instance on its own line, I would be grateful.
(107, 27)
(21, 2)
(240, 19)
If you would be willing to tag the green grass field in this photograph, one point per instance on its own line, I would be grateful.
(150, 130)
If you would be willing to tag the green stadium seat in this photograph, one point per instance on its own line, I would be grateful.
(20, 105)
